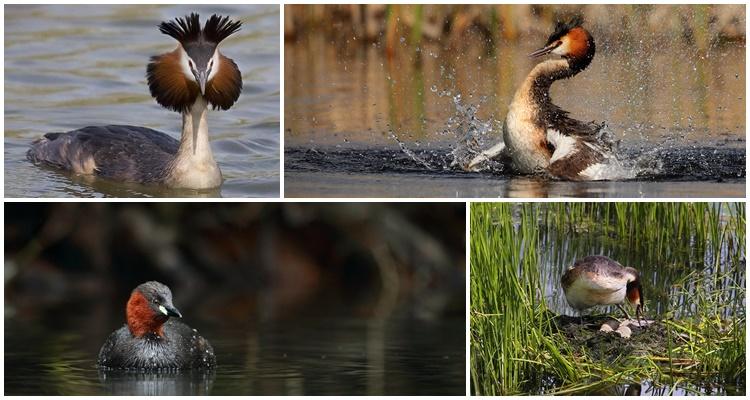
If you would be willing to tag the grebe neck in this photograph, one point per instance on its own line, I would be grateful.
(194, 140)
(549, 71)
(194, 165)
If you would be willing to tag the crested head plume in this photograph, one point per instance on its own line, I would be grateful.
(188, 29)
(177, 91)
(563, 27)
(219, 28)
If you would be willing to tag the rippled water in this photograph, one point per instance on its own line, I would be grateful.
(323, 356)
(67, 67)
(679, 117)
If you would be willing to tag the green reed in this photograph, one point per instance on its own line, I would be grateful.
(516, 349)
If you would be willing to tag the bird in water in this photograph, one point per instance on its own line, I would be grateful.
(598, 280)
(538, 136)
(187, 80)
(152, 339)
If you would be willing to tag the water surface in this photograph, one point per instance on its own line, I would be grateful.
(358, 123)
(67, 67)
(302, 356)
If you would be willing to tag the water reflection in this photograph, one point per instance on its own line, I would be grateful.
(320, 356)
(354, 92)
(128, 383)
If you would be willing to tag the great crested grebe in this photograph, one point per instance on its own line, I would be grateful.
(599, 280)
(540, 137)
(187, 80)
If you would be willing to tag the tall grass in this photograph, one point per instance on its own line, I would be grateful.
(515, 347)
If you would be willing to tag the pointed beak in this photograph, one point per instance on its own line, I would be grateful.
(170, 311)
(543, 50)
(201, 77)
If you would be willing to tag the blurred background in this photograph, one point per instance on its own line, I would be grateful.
(435, 79)
(293, 297)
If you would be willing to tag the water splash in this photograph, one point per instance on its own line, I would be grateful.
(471, 136)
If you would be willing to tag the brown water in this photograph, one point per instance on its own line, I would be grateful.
(680, 117)
(67, 67)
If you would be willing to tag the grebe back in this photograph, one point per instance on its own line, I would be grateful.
(187, 80)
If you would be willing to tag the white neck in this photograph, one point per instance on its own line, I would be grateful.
(194, 166)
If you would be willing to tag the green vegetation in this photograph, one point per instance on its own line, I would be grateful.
(517, 345)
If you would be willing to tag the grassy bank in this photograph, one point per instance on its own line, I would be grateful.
(516, 344)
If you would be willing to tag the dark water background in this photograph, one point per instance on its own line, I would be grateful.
(324, 355)
(304, 299)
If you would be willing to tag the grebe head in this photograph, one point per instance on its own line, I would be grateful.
(196, 67)
(570, 41)
(149, 307)
(634, 292)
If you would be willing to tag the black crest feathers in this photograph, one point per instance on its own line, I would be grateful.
(219, 28)
(184, 30)
(563, 27)
(188, 29)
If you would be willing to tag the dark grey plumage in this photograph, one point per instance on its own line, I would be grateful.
(180, 348)
(112, 149)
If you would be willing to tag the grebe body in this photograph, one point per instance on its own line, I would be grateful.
(538, 136)
(188, 80)
(598, 280)
(152, 339)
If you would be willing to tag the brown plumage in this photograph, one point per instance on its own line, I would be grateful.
(168, 85)
(225, 88)
(167, 80)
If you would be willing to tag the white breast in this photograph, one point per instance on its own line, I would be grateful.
(583, 293)
(522, 139)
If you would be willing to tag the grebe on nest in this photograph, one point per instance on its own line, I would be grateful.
(599, 280)
(540, 137)
(187, 80)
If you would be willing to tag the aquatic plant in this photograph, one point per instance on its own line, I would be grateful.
(698, 343)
